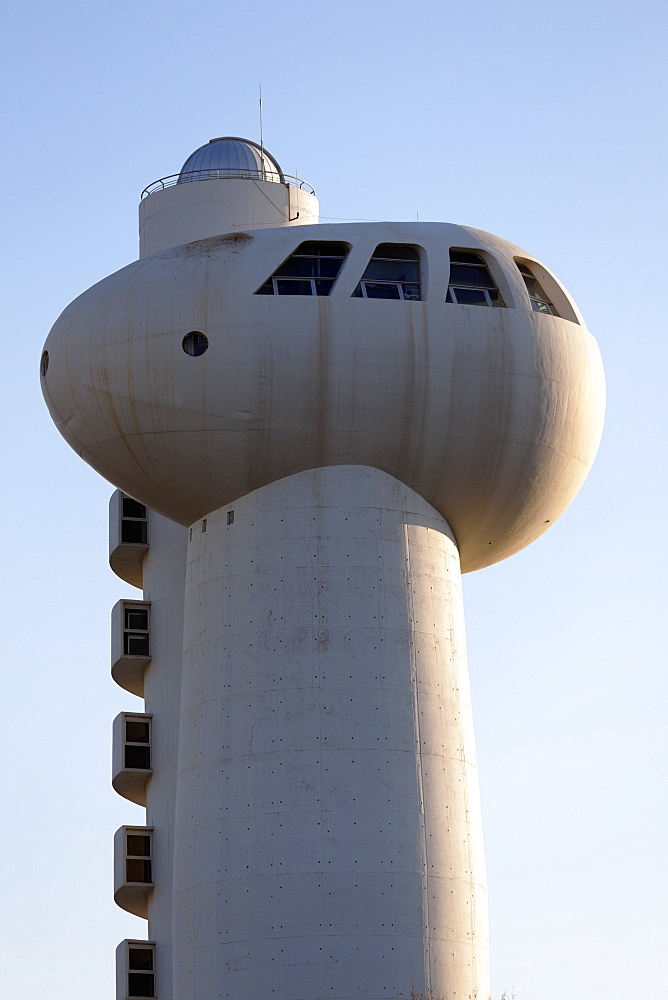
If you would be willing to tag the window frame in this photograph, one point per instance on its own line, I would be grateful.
(138, 831)
(134, 970)
(275, 277)
(132, 519)
(523, 267)
(484, 262)
(131, 632)
(360, 290)
(148, 745)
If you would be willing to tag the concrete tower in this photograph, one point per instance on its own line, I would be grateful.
(313, 430)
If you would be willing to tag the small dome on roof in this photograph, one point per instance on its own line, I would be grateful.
(230, 156)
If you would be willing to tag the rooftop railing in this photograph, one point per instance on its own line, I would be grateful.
(224, 173)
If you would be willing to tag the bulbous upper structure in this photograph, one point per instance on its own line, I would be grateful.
(186, 388)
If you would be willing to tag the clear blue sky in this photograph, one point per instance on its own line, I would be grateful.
(543, 123)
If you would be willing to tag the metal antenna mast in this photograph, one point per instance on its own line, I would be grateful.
(261, 137)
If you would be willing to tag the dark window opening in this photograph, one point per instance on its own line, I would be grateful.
(470, 282)
(135, 632)
(392, 273)
(44, 364)
(195, 343)
(134, 522)
(138, 757)
(138, 858)
(311, 270)
(141, 958)
(539, 300)
(141, 975)
(137, 750)
(230, 517)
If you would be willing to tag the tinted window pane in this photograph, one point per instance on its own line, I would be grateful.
(374, 291)
(136, 644)
(139, 757)
(496, 298)
(133, 509)
(137, 870)
(140, 984)
(357, 294)
(533, 287)
(318, 249)
(411, 292)
(136, 618)
(541, 307)
(140, 958)
(309, 267)
(392, 270)
(136, 731)
(267, 288)
(460, 274)
(293, 287)
(323, 287)
(139, 845)
(134, 532)
(461, 257)
(398, 251)
(470, 296)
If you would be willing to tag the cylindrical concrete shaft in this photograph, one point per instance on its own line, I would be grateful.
(328, 840)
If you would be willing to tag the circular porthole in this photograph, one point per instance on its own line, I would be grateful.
(44, 363)
(195, 343)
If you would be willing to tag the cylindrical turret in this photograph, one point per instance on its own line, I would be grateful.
(192, 205)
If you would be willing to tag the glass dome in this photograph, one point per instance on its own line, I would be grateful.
(230, 156)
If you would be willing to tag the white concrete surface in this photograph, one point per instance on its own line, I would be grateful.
(328, 839)
(314, 794)
(492, 415)
(196, 211)
(164, 576)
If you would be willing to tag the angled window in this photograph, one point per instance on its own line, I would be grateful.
(134, 522)
(392, 273)
(311, 270)
(137, 743)
(471, 284)
(141, 971)
(135, 631)
(138, 857)
(539, 300)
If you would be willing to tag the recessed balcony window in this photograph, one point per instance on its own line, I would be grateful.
(132, 756)
(128, 537)
(392, 273)
(471, 283)
(130, 644)
(133, 868)
(134, 522)
(135, 631)
(135, 970)
(311, 270)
